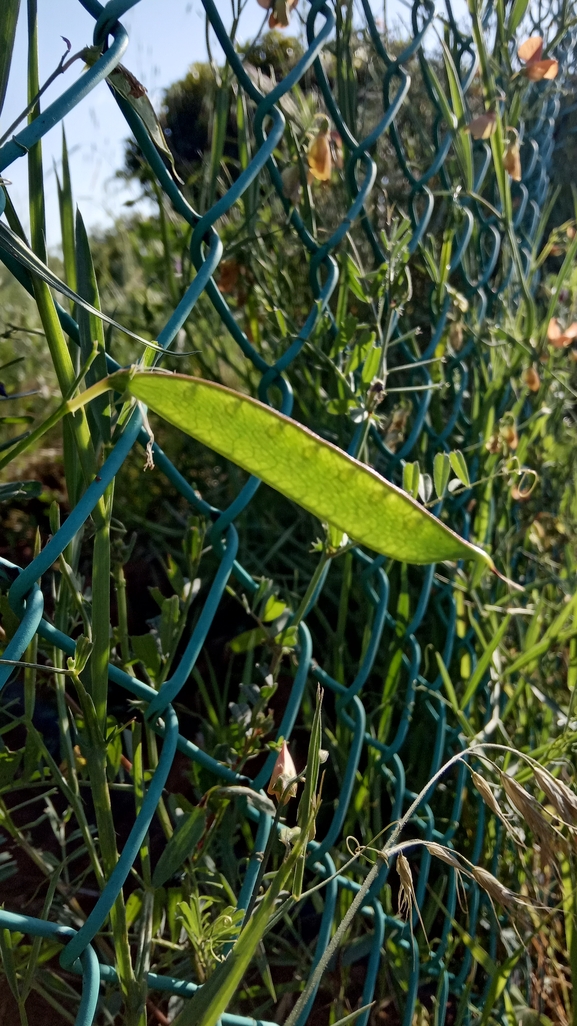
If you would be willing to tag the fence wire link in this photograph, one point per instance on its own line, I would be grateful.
(477, 261)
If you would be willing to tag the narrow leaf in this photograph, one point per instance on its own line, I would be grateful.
(441, 472)
(182, 844)
(484, 662)
(460, 467)
(17, 249)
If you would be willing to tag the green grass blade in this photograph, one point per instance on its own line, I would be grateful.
(66, 208)
(91, 330)
(484, 662)
(463, 141)
(9, 10)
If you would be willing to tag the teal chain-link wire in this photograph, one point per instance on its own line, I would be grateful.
(477, 259)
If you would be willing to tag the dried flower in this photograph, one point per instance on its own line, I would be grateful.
(291, 183)
(558, 337)
(536, 69)
(509, 436)
(483, 126)
(283, 772)
(532, 379)
(281, 12)
(512, 160)
(319, 155)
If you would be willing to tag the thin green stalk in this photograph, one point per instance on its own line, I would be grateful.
(119, 579)
(100, 655)
(146, 919)
(94, 751)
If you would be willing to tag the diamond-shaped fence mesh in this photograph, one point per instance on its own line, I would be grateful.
(438, 190)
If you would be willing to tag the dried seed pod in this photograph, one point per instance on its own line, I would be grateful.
(560, 796)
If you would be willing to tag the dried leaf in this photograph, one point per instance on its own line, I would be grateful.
(122, 81)
(483, 126)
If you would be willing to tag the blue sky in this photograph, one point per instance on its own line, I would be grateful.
(166, 36)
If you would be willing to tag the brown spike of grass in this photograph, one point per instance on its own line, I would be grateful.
(532, 813)
(561, 797)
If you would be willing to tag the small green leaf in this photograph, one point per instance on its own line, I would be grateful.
(459, 466)
(133, 907)
(441, 472)
(181, 845)
(9, 763)
(411, 478)
(145, 648)
(371, 365)
(340, 406)
(273, 608)
(248, 640)
(287, 638)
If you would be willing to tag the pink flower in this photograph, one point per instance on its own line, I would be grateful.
(284, 771)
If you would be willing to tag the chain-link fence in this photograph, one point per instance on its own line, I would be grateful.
(457, 192)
